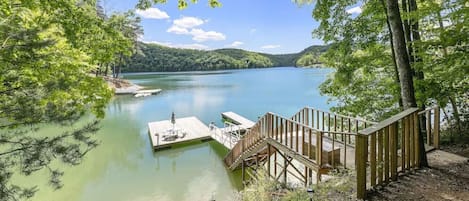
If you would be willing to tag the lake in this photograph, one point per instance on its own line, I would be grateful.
(124, 167)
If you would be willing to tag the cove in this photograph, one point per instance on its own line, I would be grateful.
(124, 167)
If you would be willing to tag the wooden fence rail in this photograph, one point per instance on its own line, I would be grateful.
(391, 147)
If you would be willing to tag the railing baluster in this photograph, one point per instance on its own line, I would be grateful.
(386, 154)
(436, 129)
(373, 159)
(428, 126)
(380, 156)
(394, 140)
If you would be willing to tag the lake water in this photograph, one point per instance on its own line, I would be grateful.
(124, 167)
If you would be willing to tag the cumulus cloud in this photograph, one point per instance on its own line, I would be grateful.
(187, 26)
(354, 10)
(188, 22)
(270, 46)
(153, 13)
(235, 44)
(177, 30)
(195, 46)
(200, 35)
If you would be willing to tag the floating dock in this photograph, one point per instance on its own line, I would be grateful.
(238, 120)
(188, 129)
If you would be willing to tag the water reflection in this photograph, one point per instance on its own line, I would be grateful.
(124, 167)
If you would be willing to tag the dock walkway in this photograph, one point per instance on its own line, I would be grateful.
(189, 129)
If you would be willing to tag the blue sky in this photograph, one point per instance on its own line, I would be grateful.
(272, 26)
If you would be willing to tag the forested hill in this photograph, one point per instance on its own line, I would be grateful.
(161, 58)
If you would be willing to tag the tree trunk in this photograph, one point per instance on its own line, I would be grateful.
(396, 72)
(402, 57)
(107, 70)
(403, 65)
(456, 114)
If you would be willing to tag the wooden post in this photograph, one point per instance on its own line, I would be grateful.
(386, 154)
(416, 140)
(361, 154)
(380, 156)
(268, 160)
(436, 129)
(373, 159)
(428, 126)
(319, 148)
(403, 139)
(394, 140)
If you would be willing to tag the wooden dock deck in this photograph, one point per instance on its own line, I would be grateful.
(191, 127)
(238, 120)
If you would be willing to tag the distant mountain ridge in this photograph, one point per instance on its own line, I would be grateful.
(158, 58)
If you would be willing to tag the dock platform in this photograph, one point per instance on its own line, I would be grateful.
(191, 127)
(238, 120)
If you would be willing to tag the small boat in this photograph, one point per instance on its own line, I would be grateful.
(142, 95)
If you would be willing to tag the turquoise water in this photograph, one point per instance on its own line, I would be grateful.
(124, 167)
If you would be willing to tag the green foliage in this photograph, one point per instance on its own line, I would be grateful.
(48, 50)
(182, 4)
(340, 185)
(160, 58)
(365, 82)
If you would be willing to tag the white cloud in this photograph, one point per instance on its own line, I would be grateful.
(354, 10)
(200, 35)
(195, 46)
(186, 26)
(153, 13)
(235, 44)
(188, 22)
(252, 31)
(177, 30)
(270, 46)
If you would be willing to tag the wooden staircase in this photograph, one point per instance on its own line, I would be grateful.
(311, 135)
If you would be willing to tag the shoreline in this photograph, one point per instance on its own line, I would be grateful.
(122, 86)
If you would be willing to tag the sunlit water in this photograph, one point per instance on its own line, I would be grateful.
(124, 167)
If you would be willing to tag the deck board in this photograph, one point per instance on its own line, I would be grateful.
(193, 127)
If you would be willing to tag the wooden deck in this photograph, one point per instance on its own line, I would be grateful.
(193, 128)
(190, 129)
(238, 120)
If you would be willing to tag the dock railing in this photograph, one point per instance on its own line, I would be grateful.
(379, 151)
(390, 147)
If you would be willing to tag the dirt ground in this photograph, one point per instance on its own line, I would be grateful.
(447, 179)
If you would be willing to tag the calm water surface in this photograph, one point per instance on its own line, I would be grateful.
(124, 166)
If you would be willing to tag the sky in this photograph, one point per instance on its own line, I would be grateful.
(270, 26)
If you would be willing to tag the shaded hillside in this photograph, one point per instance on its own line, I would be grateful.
(161, 58)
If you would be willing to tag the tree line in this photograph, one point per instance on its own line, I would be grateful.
(158, 58)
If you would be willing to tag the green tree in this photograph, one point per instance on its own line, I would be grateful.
(48, 50)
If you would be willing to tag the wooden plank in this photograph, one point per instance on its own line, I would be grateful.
(416, 140)
(360, 157)
(389, 121)
(428, 126)
(393, 141)
(411, 141)
(319, 148)
(436, 129)
(373, 159)
(297, 137)
(407, 143)
(380, 157)
(403, 148)
(386, 154)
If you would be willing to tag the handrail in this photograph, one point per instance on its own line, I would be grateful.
(387, 122)
(428, 109)
(344, 116)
